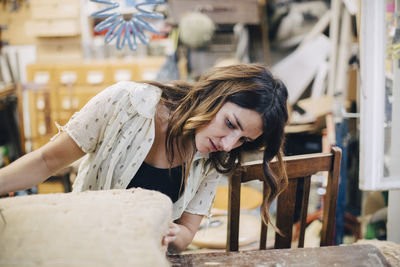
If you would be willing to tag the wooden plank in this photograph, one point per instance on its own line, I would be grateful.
(334, 37)
(296, 166)
(318, 107)
(307, 58)
(8, 90)
(232, 242)
(343, 55)
(21, 120)
(264, 227)
(262, 11)
(220, 11)
(304, 210)
(318, 28)
(328, 226)
(284, 217)
(352, 255)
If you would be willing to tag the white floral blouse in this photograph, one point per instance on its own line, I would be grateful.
(116, 130)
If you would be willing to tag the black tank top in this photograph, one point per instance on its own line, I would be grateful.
(149, 177)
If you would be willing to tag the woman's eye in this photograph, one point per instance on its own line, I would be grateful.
(229, 124)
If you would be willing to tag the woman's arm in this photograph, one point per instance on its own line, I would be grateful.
(35, 167)
(188, 224)
(190, 220)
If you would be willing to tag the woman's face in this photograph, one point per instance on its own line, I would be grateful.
(231, 127)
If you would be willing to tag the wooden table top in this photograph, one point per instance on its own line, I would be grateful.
(351, 255)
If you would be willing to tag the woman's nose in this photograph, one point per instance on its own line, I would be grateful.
(230, 142)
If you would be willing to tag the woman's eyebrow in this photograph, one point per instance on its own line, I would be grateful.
(237, 122)
(241, 128)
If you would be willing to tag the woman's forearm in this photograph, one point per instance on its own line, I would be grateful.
(35, 167)
(23, 173)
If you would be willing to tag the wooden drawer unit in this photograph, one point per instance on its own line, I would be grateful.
(74, 98)
(40, 73)
(82, 74)
(66, 101)
(68, 74)
(55, 27)
(61, 49)
(55, 18)
(123, 71)
(220, 11)
(96, 74)
(44, 2)
(147, 68)
(42, 127)
(54, 10)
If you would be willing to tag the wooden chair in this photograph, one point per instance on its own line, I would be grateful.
(298, 168)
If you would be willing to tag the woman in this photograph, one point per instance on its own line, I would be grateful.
(176, 138)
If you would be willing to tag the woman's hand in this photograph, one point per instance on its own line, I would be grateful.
(181, 234)
(170, 234)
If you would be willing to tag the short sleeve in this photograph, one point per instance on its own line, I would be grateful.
(204, 197)
(85, 127)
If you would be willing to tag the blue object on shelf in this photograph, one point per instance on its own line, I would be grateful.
(126, 30)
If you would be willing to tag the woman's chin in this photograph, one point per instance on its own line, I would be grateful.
(203, 150)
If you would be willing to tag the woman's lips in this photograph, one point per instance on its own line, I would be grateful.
(213, 146)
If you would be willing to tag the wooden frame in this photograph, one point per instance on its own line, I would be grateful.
(298, 168)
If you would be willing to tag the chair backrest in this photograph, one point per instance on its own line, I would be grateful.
(299, 170)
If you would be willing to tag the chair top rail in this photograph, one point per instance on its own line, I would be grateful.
(296, 166)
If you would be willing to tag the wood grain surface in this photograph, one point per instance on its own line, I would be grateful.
(351, 255)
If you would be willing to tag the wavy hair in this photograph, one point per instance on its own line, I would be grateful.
(194, 105)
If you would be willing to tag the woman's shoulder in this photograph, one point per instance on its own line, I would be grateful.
(138, 96)
(135, 88)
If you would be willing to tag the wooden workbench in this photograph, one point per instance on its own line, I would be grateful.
(351, 255)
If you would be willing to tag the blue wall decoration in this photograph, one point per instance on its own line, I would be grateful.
(126, 30)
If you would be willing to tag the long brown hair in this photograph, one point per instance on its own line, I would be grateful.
(194, 105)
